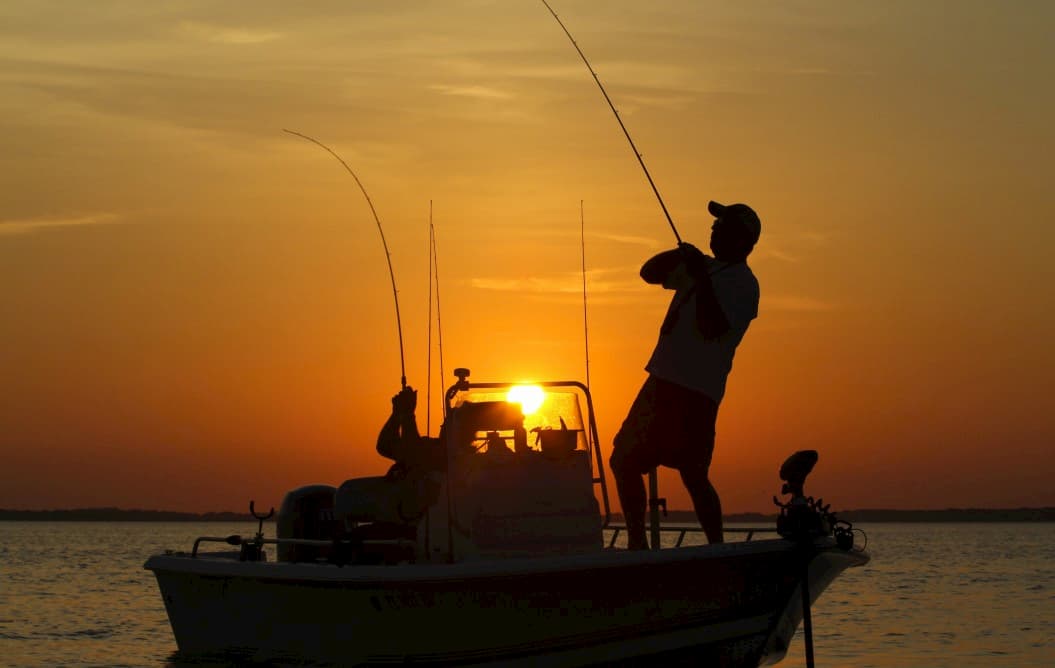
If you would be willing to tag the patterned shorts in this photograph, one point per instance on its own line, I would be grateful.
(667, 425)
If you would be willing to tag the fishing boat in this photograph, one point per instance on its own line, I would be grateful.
(514, 561)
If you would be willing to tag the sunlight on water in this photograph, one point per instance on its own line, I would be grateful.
(941, 595)
(933, 595)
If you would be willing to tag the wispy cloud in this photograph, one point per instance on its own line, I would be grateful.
(479, 92)
(647, 242)
(609, 284)
(530, 284)
(618, 286)
(768, 252)
(670, 102)
(796, 303)
(791, 248)
(567, 233)
(30, 225)
(217, 34)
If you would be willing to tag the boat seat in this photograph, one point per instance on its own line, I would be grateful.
(370, 499)
(386, 499)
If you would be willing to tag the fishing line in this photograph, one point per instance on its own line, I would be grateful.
(388, 255)
(637, 153)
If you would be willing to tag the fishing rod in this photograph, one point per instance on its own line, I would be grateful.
(439, 319)
(434, 272)
(637, 153)
(388, 255)
(585, 320)
(428, 356)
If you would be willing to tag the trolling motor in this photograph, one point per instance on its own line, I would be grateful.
(799, 518)
(804, 517)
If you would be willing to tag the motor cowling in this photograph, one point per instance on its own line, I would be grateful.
(306, 513)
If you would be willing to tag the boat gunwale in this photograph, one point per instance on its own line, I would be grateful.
(479, 569)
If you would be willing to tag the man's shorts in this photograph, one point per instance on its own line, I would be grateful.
(668, 425)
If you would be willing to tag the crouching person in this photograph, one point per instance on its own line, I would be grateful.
(393, 504)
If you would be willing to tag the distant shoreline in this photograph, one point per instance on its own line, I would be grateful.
(889, 515)
(117, 515)
(1045, 514)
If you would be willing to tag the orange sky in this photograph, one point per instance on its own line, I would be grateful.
(195, 308)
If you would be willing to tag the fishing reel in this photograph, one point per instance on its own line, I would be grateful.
(804, 517)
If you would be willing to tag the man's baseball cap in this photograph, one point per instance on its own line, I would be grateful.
(740, 213)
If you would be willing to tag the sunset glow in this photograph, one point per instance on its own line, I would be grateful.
(530, 397)
(190, 296)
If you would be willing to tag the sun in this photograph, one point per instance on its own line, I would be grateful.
(528, 396)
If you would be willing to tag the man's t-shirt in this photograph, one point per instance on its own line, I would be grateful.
(682, 356)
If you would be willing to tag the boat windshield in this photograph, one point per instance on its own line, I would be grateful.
(544, 411)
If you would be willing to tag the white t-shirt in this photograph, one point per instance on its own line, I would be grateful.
(682, 356)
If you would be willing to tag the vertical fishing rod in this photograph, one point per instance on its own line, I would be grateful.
(388, 255)
(637, 153)
(434, 273)
(428, 356)
(585, 320)
(439, 319)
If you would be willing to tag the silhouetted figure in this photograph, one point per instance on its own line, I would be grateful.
(401, 441)
(671, 422)
(412, 483)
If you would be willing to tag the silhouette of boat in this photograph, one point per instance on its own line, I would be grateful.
(506, 563)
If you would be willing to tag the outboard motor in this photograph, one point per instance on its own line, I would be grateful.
(307, 513)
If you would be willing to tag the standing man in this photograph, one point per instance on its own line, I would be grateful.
(671, 422)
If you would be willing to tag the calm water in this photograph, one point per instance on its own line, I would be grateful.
(76, 594)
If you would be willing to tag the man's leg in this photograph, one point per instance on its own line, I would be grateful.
(705, 501)
(631, 489)
(698, 424)
(627, 462)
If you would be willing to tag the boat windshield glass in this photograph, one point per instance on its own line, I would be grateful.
(544, 409)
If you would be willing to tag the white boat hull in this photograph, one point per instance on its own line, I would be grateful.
(736, 604)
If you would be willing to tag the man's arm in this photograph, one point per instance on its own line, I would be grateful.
(388, 437)
(399, 435)
(658, 267)
(711, 320)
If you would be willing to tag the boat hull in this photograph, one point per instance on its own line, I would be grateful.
(730, 605)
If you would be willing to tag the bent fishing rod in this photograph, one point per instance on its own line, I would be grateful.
(637, 153)
(388, 255)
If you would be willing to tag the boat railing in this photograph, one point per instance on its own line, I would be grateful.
(237, 540)
(750, 532)
(616, 529)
